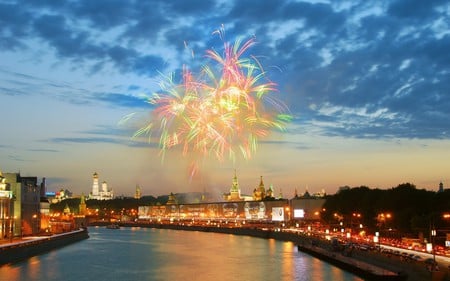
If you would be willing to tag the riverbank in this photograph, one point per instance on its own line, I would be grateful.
(22, 249)
(370, 265)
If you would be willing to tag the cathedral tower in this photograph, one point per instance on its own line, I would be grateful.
(95, 191)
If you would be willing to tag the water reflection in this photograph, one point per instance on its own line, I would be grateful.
(157, 254)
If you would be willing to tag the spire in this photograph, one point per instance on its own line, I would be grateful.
(261, 184)
(82, 206)
(235, 185)
(66, 209)
(281, 194)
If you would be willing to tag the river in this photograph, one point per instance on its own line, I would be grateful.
(130, 254)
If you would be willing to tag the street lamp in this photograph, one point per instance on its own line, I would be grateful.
(382, 219)
(377, 239)
(288, 212)
(433, 234)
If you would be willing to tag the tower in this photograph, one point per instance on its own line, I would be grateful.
(43, 188)
(262, 189)
(235, 192)
(104, 187)
(95, 186)
(137, 193)
(270, 192)
(82, 208)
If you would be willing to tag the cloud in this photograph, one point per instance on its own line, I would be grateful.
(42, 150)
(130, 142)
(124, 100)
(106, 134)
(370, 69)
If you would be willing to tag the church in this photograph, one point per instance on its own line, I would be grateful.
(100, 194)
(259, 193)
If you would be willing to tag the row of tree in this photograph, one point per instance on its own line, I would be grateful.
(404, 209)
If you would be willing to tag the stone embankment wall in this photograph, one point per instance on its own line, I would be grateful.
(23, 249)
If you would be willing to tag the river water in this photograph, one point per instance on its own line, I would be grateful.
(159, 254)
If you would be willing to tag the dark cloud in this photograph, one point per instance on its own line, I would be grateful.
(121, 100)
(319, 15)
(414, 8)
(192, 7)
(349, 60)
(255, 11)
(104, 14)
(67, 43)
(14, 26)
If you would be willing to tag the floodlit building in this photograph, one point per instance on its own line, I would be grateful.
(100, 194)
(24, 214)
(307, 207)
(235, 191)
(137, 193)
(5, 208)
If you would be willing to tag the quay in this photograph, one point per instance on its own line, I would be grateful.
(24, 248)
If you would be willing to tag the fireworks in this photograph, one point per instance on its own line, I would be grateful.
(222, 112)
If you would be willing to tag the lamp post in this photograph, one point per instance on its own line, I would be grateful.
(433, 235)
(382, 220)
(288, 212)
(377, 239)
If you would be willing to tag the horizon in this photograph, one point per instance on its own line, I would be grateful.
(216, 191)
(365, 84)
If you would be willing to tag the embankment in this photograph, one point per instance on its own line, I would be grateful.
(26, 248)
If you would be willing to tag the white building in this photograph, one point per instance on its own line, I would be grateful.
(100, 194)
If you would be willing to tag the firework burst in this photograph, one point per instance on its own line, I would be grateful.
(222, 112)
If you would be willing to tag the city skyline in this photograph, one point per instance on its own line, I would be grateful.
(366, 84)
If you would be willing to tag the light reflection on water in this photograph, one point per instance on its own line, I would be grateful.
(158, 254)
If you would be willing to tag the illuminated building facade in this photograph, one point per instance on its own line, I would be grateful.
(307, 208)
(100, 194)
(5, 209)
(25, 213)
(274, 210)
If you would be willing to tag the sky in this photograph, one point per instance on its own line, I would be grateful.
(366, 83)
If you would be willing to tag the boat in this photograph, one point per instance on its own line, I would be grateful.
(113, 226)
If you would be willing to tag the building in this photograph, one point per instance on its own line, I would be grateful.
(271, 211)
(24, 211)
(172, 199)
(235, 191)
(307, 207)
(137, 193)
(6, 211)
(259, 193)
(100, 194)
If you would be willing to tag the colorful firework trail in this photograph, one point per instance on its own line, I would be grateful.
(222, 112)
